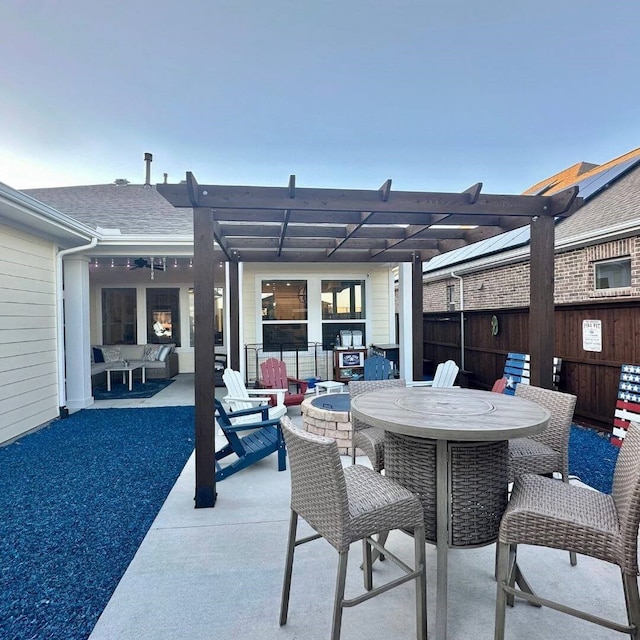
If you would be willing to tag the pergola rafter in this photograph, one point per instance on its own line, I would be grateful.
(293, 224)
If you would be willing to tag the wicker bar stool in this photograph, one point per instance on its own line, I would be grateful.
(344, 506)
(553, 514)
(546, 452)
(365, 437)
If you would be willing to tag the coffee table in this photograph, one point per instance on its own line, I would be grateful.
(130, 368)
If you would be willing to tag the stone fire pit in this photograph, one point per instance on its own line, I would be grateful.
(328, 415)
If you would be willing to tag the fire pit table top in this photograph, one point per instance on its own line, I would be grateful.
(332, 402)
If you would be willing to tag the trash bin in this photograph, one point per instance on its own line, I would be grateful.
(345, 338)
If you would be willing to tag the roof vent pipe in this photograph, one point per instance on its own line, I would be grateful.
(148, 158)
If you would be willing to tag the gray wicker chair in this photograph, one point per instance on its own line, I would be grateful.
(344, 506)
(553, 514)
(365, 437)
(548, 451)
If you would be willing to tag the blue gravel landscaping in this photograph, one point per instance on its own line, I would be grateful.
(77, 499)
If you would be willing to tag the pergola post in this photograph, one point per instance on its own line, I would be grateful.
(204, 314)
(541, 301)
(233, 333)
(417, 317)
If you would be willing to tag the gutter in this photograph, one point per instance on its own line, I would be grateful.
(457, 277)
(62, 384)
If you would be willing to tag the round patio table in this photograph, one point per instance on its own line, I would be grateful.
(450, 446)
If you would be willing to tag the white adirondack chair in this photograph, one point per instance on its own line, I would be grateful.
(239, 397)
(445, 376)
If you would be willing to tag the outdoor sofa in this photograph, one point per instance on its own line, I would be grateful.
(160, 360)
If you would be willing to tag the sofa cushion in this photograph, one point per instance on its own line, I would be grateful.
(164, 352)
(132, 351)
(111, 354)
(152, 351)
(97, 355)
(154, 364)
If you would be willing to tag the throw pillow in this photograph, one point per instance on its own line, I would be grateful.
(164, 352)
(98, 355)
(111, 354)
(151, 352)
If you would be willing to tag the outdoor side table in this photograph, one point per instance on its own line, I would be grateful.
(329, 386)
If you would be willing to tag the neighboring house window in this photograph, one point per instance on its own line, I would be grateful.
(163, 316)
(119, 316)
(218, 337)
(613, 274)
(342, 300)
(284, 315)
(451, 292)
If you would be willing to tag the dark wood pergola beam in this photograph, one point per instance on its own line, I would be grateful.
(382, 218)
(342, 200)
(373, 231)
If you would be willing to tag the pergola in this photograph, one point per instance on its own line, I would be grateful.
(290, 224)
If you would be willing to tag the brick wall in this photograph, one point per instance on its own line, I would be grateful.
(508, 286)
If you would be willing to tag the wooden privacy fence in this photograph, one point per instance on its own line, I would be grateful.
(593, 376)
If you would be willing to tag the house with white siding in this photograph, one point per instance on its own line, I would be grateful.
(34, 238)
(110, 299)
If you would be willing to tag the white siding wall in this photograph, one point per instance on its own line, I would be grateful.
(28, 370)
(379, 296)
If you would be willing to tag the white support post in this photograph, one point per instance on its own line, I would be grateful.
(405, 305)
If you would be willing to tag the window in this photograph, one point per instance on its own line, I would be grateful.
(451, 292)
(341, 300)
(163, 316)
(284, 315)
(218, 337)
(613, 274)
(119, 316)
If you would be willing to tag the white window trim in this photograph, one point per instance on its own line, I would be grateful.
(596, 264)
(314, 301)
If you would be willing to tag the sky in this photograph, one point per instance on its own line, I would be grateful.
(435, 94)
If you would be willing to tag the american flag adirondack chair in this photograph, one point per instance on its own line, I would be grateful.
(628, 402)
(517, 370)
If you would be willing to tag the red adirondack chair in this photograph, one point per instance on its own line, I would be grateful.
(499, 385)
(274, 376)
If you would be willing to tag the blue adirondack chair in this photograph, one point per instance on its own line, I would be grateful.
(265, 439)
(377, 368)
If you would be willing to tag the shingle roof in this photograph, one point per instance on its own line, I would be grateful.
(134, 209)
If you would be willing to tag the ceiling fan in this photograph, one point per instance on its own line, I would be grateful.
(141, 263)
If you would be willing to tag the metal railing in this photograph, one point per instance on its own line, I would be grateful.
(311, 361)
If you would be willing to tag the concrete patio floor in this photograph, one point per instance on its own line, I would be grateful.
(203, 573)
